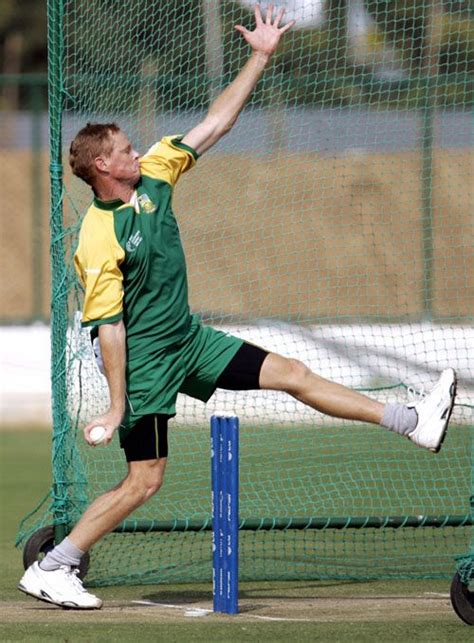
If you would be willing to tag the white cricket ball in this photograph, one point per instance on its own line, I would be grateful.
(97, 434)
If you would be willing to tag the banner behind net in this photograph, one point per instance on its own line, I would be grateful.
(333, 225)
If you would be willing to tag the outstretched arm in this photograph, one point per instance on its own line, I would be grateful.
(224, 111)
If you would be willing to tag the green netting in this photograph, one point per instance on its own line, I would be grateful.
(333, 225)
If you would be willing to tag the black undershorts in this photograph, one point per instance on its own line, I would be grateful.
(149, 438)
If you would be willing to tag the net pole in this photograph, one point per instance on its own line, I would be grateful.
(336, 16)
(36, 202)
(213, 37)
(58, 268)
(301, 523)
(430, 74)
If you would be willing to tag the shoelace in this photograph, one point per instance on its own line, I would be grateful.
(415, 395)
(72, 574)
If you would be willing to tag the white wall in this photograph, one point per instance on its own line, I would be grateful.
(361, 356)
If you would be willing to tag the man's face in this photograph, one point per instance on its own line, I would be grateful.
(122, 162)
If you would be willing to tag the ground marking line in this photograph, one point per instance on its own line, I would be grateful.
(188, 611)
(278, 618)
(198, 611)
(436, 594)
(153, 604)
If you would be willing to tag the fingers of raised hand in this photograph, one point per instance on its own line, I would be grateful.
(279, 17)
(275, 23)
(258, 14)
(266, 34)
(269, 14)
(287, 26)
(242, 30)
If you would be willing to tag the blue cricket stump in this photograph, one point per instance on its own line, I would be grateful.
(225, 513)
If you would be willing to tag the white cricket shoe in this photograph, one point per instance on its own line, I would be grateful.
(62, 587)
(434, 412)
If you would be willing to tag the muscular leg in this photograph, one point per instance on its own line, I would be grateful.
(55, 579)
(144, 478)
(283, 374)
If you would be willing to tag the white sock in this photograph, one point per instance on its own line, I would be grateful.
(66, 553)
(399, 418)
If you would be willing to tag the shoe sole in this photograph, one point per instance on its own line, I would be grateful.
(65, 605)
(30, 593)
(452, 392)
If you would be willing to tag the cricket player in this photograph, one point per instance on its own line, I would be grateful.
(131, 263)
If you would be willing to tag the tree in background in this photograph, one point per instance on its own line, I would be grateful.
(316, 61)
(23, 36)
(23, 44)
(411, 26)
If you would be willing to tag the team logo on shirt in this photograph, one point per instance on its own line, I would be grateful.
(146, 204)
(133, 241)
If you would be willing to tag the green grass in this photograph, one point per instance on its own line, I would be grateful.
(177, 633)
(297, 471)
(324, 471)
(25, 478)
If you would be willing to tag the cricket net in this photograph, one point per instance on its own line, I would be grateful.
(332, 225)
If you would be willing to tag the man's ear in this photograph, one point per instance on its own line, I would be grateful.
(101, 163)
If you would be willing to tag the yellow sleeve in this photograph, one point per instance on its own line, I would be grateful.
(168, 159)
(97, 261)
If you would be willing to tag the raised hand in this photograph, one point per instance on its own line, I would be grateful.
(265, 37)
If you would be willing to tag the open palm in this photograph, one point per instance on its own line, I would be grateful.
(266, 35)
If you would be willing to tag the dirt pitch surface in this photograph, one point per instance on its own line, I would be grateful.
(429, 607)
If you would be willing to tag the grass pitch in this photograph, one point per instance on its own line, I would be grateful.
(309, 610)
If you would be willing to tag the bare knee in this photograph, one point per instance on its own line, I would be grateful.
(143, 488)
(145, 479)
(284, 374)
(152, 486)
(297, 375)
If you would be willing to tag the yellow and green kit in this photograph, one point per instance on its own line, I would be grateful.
(131, 263)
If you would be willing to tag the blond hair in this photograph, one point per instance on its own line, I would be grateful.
(90, 142)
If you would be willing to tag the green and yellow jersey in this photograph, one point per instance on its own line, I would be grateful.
(130, 258)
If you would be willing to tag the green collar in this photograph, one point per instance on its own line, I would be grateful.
(108, 205)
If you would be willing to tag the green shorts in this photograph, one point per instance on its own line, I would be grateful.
(191, 366)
